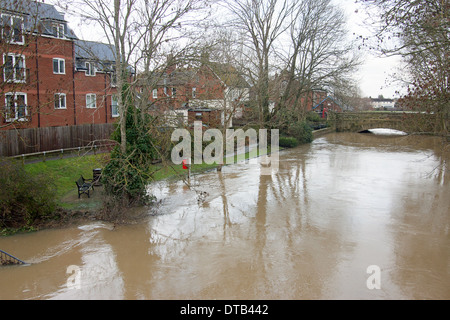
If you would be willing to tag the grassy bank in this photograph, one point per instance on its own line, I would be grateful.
(64, 172)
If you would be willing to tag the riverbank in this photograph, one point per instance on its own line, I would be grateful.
(73, 209)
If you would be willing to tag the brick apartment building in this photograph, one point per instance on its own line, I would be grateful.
(49, 77)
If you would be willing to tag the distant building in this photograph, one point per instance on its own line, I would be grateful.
(213, 93)
(383, 103)
(326, 105)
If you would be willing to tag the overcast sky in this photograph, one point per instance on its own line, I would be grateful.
(376, 73)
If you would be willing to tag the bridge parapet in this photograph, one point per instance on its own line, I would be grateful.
(405, 121)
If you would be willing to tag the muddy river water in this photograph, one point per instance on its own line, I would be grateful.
(350, 216)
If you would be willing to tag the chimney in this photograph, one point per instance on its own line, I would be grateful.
(171, 64)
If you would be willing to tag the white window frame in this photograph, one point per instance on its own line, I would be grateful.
(194, 93)
(174, 92)
(114, 105)
(90, 72)
(16, 111)
(89, 101)
(155, 93)
(59, 61)
(60, 30)
(11, 22)
(15, 79)
(59, 97)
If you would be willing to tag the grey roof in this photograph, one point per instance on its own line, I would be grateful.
(102, 54)
(38, 16)
(91, 50)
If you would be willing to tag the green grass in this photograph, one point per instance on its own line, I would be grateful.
(64, 172)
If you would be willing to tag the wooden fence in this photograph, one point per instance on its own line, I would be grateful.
(25, 141)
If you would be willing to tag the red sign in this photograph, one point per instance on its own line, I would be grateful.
(184, 164)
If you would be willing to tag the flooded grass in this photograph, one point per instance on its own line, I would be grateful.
(64, 173)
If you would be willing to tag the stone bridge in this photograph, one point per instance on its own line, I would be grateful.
(410, 122)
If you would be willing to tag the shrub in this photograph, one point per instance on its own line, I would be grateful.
(24, 198)
(312, 116)
(288, 142)
(301, 131)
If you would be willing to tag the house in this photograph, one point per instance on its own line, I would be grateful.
(50, 78)
(382, 103)
(326, 105)
(315, 99)
(213, 93)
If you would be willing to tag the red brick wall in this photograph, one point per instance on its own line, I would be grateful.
(50, 83)
(101, 86)
(208, 87)
(42, 84)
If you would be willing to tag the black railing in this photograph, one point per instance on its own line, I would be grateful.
(7, 259)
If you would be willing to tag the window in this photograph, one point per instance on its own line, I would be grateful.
(90, 69)
(91, 101)
(174, 92)
(59, 66)
(114, 106)
(14, 68)
(16, 107)
(12, 29)
(155, 93)
(194, 93)
(60, 101)
(58, 30)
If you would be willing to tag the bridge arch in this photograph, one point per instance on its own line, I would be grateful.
(401, 121)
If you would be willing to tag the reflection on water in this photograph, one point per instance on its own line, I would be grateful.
(310, 231)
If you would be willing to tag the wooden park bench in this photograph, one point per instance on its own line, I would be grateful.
(84, 186)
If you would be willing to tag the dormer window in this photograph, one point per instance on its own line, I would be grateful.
(90, 69)
(12, 29)
(58, 30)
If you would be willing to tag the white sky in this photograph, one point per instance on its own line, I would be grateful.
(375, 73)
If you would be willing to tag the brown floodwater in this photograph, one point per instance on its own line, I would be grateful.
(350, 216)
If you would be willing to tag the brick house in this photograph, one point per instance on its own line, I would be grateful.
(316, 99)
(212, 93)
(326, 105)
(49, 77)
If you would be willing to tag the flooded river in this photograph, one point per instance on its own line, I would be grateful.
(350, 216)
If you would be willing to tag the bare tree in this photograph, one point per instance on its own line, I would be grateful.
(263, 21)
(418, 31)
(141, 33)
(319, 54)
